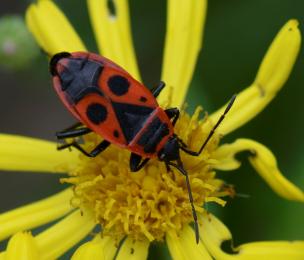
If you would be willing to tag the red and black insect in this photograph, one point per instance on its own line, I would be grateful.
(109, 101)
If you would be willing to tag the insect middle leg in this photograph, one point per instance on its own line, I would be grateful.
(136, 162)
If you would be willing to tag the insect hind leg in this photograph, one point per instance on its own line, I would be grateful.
(97, 150)
(73, 131)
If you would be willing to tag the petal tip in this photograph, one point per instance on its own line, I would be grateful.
(293, 23)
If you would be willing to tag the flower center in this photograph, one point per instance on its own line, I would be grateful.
(152, 201)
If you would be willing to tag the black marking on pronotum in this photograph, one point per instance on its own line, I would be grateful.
(153, 134)
(80, 77)
(54, 60)
(131, 118)
(96, 113)
(118, 85)
(70, 77)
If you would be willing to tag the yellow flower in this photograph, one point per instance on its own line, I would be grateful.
(136, 209)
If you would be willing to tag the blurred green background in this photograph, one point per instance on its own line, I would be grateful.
(237, 35)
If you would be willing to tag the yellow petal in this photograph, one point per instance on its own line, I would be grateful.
(99, 248)
(51, 28)
(213, 233)
(184, 247)
(62, 236)
(264, 163)
(22, 246)
(133, 250)
(113, 33)
(272, 75)
(89, 250)
(19, 153)
(275, 250)
(35, 214)
(185, 21)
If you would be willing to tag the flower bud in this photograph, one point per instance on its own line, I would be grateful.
(17, 46)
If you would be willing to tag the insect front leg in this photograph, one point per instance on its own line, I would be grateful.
(156, 91)
(173, 113)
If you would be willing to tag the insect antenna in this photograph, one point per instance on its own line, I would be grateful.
(212, 131)
(180, 167)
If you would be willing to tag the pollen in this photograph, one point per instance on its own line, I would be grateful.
(152, 201)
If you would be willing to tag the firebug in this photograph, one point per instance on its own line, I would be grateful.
(107, 100)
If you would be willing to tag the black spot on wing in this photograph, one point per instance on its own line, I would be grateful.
(116, 133)
(131, 118)
(96, 113)
(143, 99)
(118, 85)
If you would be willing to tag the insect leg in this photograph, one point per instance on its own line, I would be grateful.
(167, 167)
(212, 131)
(136, 162)
(97, 150)
(73, 133)
(173, 113)
(156, 90)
